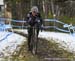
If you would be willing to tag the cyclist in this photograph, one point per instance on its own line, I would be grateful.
(33, 17)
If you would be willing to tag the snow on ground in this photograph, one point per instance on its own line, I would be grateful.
(9, 42)
(67, 41)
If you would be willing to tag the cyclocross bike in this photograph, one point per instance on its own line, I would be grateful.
(34, 40)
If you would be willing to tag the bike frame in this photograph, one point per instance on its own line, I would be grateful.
(34, 40)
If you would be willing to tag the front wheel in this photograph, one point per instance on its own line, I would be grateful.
(34, 41)
(34, 50)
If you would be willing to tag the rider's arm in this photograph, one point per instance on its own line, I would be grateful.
(27, 18)
(41, 20)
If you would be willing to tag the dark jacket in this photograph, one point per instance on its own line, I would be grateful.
(32, 20)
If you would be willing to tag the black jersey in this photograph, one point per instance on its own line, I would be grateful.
(31, 20)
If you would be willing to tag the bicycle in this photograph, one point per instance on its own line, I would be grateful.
(34, 36)
(34, 40)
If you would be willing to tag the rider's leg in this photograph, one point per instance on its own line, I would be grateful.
(37, 32)
(29, 38)
(37, 40)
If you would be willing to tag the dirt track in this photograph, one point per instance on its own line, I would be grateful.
(46, 51)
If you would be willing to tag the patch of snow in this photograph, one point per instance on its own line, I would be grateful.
(9, 45)
(66, 40)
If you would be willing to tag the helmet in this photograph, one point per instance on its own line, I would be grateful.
(34, 9)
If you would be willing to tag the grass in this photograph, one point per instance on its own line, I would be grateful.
(67, 20)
